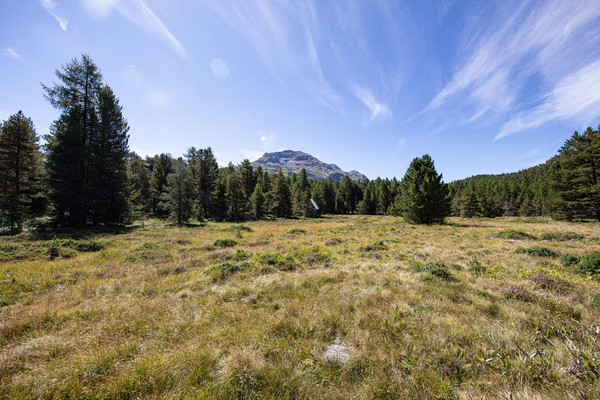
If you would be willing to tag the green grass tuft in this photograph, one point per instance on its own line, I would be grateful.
(225, 243)
(536, 251)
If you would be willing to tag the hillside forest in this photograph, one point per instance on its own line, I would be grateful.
(85, 174)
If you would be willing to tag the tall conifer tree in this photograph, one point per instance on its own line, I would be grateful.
(575, 177)
(19, 170)
(423, 195)
(87, 144)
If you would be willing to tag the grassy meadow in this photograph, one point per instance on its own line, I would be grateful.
(341, 307)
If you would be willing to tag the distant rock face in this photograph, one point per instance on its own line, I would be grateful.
(293, 161)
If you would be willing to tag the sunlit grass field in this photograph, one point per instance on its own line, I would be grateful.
(341, 307)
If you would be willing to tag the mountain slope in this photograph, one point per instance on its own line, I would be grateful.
(293, 161)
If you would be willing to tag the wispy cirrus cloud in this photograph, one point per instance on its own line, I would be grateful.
(323, 47)
(11, 53)
(575, 96)
(138, 12)
(539, 41)
(286, 36)
(50, 7)
(376, 108)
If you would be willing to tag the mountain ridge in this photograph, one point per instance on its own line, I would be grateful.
(291, 161)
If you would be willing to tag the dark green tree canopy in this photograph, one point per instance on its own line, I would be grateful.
(87, 148)
(19, 170)
(575, 177)
(423, 195)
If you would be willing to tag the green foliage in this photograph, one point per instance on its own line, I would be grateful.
(286, 263)
(177, 195)
(225, 243)
(50, 248)
(423, 195)
(258, 202)
(280, 203)
(205, 172)
(435, 268)
(86, 148)
(162, 167)
(536, 251)
(475, 268)
(20, 171)
(589, 264)
(561, 236)
(378, 245)
(223, 270)
(295, 231)
(575, 177)
(569, 260)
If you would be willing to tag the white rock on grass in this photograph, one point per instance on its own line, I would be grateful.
(338, 352)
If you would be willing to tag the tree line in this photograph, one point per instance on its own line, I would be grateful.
(85, 174)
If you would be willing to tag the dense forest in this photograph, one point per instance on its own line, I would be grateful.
(84, 174)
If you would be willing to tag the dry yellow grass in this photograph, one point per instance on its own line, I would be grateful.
(166, 312)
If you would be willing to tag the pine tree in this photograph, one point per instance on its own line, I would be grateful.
(161, 168)
(19, 170)
(575, 177)
(423, 195)
(248, 179)
(205, 174)
(108, 165)
(235, 196)
(87, 144)
(280, 204)
(138, 181)
(258, 202)
(178, 194)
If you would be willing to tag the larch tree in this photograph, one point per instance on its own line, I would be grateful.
(19, 170)
(87, 144)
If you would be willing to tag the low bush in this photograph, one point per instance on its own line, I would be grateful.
(223, 270)
(589, 264)
(277, 260)
(568, 260)
(437, 268)
(224, 243)
(561, 236)
(536, 251)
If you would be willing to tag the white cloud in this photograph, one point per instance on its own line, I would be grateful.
(138, 12)
(546, 40)
(98, 9)
(219, 69)
(575, 96)
(9, 52)
(287, 37)
(377, 109)
(50, 6)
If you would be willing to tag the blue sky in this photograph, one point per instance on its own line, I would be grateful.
(481, 86)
